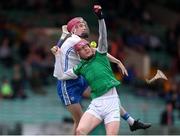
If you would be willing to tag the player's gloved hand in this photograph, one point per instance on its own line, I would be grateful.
(98, 11)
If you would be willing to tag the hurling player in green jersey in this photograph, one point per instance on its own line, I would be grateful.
(95, 68)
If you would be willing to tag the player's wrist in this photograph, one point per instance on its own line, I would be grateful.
(98, 12)
(118, 62)
(100, 16)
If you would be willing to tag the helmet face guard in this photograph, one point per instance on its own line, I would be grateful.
(86, 33)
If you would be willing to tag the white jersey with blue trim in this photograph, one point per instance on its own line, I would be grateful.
(68, 56)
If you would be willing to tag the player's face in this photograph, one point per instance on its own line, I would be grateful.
(85, 52)
(82, 30)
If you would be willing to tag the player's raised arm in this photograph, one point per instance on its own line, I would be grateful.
(102, 41)
(58, 70)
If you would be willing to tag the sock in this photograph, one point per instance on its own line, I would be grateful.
(128, 118)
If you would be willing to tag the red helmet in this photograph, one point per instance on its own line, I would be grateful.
(82, 42)
(73, 22)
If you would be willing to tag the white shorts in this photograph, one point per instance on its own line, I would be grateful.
(106, 107)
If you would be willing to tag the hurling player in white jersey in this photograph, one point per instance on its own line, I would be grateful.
(71, 91)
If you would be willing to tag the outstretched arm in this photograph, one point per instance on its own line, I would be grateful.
(102, 41)
(119, 63)
(58, 70)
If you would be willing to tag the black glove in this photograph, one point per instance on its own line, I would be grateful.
(98, 11)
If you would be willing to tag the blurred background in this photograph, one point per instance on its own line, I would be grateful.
(143, 34)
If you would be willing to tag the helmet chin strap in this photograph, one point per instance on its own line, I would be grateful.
(88, 58)
(74, 31)
(84, 35)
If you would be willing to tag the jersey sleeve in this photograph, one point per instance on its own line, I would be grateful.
(77, 68)
(59, 73)
(102, 41)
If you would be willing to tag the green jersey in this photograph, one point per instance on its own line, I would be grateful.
(98, 73)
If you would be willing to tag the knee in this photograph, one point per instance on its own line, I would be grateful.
(112, 133)
(80, 131)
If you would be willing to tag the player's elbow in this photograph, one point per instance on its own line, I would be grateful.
(57, 76)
